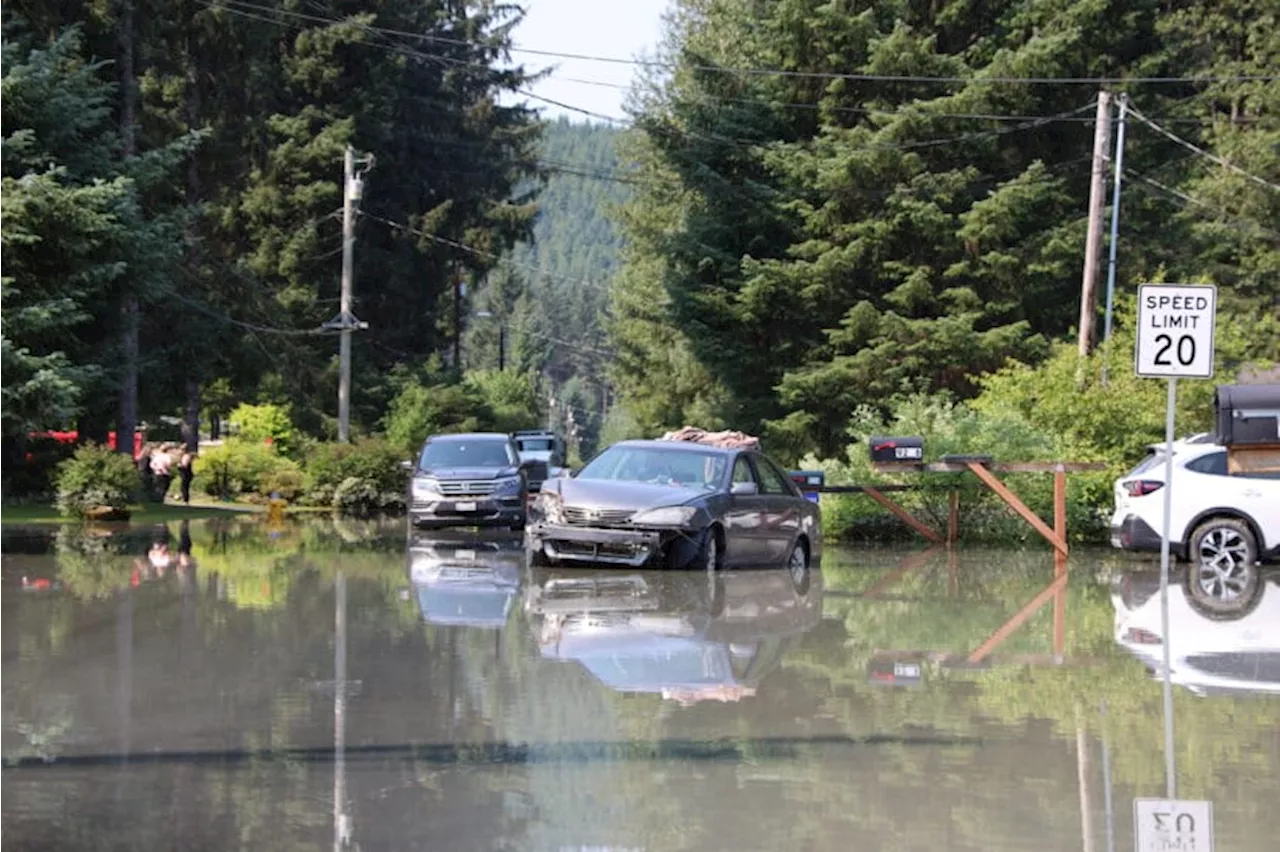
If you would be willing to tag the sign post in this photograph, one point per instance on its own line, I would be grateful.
(1175, 340)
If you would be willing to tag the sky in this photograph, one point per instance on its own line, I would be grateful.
(623, 28)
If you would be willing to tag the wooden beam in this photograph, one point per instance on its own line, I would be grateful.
(909, 564)
(903, 515)
(1060, 518)
(1019, 618)
(953, 517)
(1006, 467)
(1018, 506)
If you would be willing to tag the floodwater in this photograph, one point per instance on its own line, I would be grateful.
(244, 686)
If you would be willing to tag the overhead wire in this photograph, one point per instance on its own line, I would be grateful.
(1191, 146)
(750, 71)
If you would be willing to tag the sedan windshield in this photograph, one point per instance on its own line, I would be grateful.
(466, 453)
(657, 466)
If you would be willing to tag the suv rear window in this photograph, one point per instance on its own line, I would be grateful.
(1153, 459)
(1212, 463)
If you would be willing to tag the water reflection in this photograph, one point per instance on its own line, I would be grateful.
(296, 697)
(687, 636)
(467, 580)
(1217, 644)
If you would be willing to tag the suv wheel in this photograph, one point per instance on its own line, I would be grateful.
(1223, 577)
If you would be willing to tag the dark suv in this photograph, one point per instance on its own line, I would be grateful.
(469, 480)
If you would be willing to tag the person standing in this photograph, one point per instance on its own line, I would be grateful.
(144, 471)
(162, 471)
(186, 472)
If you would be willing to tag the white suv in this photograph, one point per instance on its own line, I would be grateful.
(1227, 521)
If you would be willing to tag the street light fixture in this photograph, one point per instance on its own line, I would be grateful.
(502, 338)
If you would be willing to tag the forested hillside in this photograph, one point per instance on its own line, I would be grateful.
(173, 194)
(891, 197)
(554, 291)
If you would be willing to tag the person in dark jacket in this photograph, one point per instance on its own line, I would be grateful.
(186, 472)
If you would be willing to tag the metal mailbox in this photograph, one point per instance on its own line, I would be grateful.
(807, 480)
(1248, 415)
(896, 450)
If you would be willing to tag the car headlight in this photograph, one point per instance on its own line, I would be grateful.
(667, 516)
(425, 488)
(507, 485)
(552, 507)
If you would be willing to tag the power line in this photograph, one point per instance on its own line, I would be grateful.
(755, 72)
(776, 72)
(1202, 204)
(1202, 152)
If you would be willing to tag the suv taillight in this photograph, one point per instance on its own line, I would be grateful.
(1142, 487)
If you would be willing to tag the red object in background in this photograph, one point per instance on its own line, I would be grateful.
(73, 437)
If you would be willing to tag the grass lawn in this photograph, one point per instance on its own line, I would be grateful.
(144, 513)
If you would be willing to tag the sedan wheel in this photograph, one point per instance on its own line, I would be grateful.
(711, 553)
(798, 568)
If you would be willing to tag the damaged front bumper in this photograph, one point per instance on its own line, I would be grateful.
(607, 545)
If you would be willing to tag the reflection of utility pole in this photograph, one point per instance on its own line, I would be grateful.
(1082, 778)
(341, 819)
(1106, 780)
(124, 675)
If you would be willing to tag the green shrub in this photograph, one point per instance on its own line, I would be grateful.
(287, 482)
(420, 410)
(359, 477)
(266, 423)
(239, 466)
(31, 466)
(96, 476)
(949, 427)
(511, 397)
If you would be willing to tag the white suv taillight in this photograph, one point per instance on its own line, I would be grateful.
(1141, 487)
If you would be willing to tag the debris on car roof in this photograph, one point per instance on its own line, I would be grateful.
(726, 439)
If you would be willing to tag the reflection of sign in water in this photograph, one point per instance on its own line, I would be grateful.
(895, 672)
(1172, 825)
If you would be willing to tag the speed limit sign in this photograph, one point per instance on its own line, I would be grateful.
(1175, 331)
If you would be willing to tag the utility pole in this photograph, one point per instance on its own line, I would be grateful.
(1116, 178)
(502, 345)
(1093, 241)
(457, 319)
(345, 322)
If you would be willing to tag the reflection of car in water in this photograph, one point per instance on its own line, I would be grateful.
(468, 581)
(1220, 640)
(689, 637)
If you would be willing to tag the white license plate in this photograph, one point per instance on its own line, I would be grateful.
(909, 453)
(465, 555)
(464, 507)
(906, 670)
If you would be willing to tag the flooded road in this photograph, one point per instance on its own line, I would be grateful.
(236, 686)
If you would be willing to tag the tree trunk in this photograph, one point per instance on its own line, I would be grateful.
(191, 422)
(127, 422)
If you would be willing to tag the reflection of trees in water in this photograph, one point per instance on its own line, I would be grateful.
(256, 678)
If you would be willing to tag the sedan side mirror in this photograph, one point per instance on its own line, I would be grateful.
(744, 489)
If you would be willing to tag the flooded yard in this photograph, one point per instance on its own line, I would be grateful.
(234, 684)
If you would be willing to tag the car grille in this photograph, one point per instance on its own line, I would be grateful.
(467, 488)
(596, 517)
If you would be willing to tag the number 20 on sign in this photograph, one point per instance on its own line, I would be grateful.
(1175, 331)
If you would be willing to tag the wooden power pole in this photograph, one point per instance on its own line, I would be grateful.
(1093, 240)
